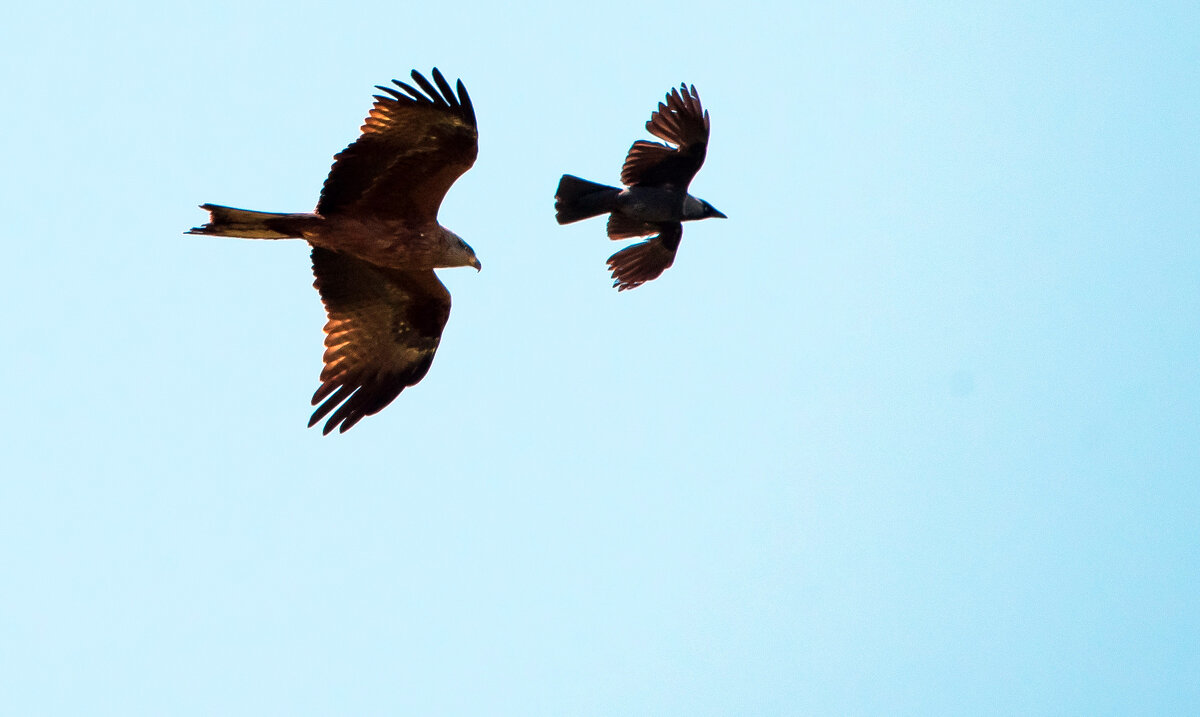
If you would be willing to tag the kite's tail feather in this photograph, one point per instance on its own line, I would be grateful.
(578, 199)
(230, 222)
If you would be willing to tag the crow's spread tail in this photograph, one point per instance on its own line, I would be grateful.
(230, 222)
(578, 199)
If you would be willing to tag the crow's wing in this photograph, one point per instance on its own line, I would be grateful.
(680, 121)
(637, 264)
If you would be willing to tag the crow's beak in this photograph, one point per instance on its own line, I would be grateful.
(718, 214)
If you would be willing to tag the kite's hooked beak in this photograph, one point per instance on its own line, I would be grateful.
(475, 263)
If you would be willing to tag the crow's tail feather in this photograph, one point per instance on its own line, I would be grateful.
(578, 199)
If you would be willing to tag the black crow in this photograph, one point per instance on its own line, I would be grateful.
(656, 200)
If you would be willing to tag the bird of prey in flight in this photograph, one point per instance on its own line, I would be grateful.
(656, 200)
(375, 242)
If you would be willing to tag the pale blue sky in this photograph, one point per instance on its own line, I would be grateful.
(916, 431)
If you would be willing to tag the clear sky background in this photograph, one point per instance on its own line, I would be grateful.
(916, 431)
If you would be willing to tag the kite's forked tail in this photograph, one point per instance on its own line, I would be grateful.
(580, 199)
(230, 222)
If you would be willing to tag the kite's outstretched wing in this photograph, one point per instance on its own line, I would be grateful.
(415, 143)
(384, 327)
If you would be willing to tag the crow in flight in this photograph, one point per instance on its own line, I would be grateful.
(656, 200)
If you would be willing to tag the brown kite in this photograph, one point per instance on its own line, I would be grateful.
(375, 243)
(656, 200)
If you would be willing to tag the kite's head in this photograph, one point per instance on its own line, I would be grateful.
(459, 253)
